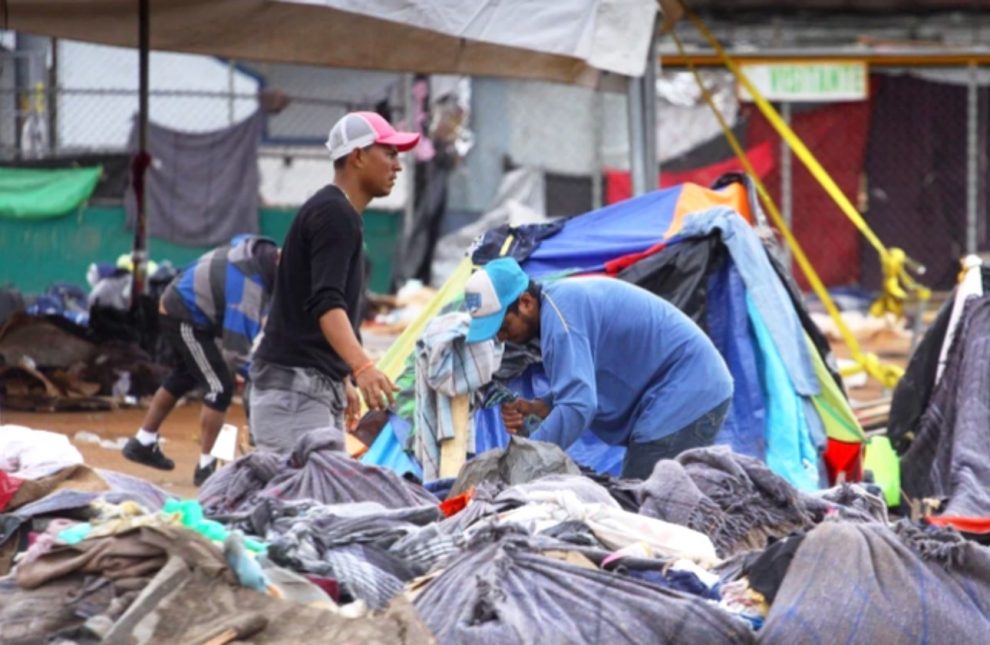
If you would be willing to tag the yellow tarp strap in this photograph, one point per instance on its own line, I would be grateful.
(897, 281)
(888, 375)
(393, 362)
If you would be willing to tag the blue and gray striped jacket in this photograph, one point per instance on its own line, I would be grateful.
(227, 291)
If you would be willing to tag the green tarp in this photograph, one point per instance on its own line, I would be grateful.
(832, 405)
(32, 194)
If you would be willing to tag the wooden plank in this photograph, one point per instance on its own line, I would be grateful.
(453, 452)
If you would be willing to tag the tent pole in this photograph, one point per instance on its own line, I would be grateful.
(139, 165)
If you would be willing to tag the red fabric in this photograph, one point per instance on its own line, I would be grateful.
(8, 488)
(618, 183)
(454, 505)
(329, 586)
(842, 457)
(613, 267)
(836, 135)
(977, 525)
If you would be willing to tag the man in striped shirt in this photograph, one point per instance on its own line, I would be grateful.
(223, 297)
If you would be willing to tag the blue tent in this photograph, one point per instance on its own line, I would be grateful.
(786, 403)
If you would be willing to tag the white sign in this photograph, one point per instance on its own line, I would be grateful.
(818, 82)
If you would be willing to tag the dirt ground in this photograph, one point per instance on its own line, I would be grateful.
(180, 431)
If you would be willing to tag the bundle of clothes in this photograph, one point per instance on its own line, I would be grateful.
(940, 412)
(713, 547)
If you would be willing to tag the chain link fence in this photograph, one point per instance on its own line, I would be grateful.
(913, 157)
(82, 99)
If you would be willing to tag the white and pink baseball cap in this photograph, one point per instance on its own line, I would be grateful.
(361, 129)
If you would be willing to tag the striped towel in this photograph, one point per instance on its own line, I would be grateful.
(446, 366)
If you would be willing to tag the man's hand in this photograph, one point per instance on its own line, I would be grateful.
(514, 413)
(353, 412)
(512, 417)
(376, 389)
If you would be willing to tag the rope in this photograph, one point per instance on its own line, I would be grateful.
(897, 283)
(888, 375)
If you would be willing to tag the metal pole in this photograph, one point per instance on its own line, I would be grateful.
(972, 159)
(230, 92)
(597, 181)
(399, 258)
(637, 159)
(408, 107)
(656, 108)
(649, 82)
(52, 101)
(786, 181)
(139, 254)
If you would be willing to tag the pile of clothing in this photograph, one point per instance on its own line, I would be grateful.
(940, 412)
(713, 547)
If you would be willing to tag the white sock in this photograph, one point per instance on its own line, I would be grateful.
(205, 460)
(147, 438)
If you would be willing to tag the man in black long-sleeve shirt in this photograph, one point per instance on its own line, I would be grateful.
(303, 369)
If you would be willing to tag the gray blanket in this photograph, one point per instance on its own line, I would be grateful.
(948, 458)
(202, 187)
(736, 500)
(315, 470)
(235, 483)
(864, 583)
(740, 503)
(503, 592)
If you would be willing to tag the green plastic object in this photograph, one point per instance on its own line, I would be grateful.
(882, 460)
(191, 514)
(35, 194)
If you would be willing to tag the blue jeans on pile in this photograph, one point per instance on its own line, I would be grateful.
(641, 457)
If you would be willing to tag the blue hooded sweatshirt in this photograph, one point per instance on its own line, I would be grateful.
(624, 363)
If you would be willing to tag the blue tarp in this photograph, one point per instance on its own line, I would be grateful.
(588, 241)
(728, 327)
(387, 450)
(767, 419)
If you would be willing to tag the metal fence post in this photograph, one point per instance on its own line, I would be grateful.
(649, 81)
(231, 69)
(597, 123)
(637, 159)
(786, 182)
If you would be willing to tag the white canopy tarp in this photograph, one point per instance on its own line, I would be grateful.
(569, 41)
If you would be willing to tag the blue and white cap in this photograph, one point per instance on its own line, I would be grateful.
(488, 294)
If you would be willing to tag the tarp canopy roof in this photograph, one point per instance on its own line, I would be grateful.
(569, 41)
(850, 6)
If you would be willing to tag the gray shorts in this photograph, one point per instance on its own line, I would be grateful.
(288, 402)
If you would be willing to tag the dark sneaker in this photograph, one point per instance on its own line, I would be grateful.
(202, 474)
(148, 455)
